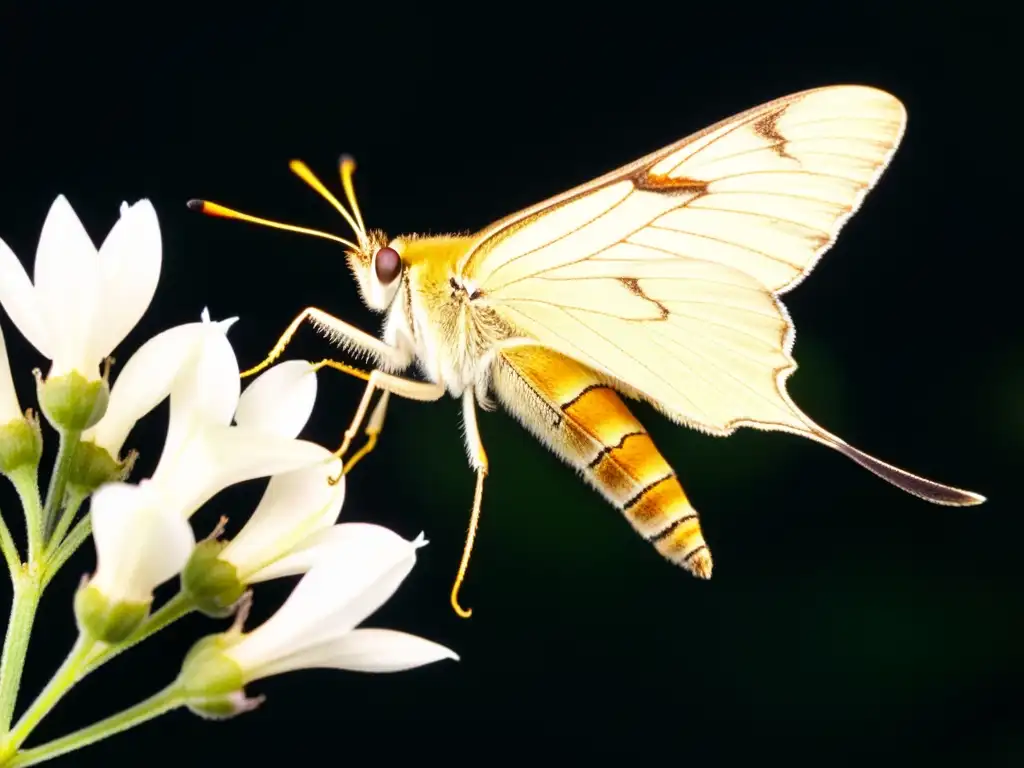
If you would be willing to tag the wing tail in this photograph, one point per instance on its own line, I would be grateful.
(929, 490)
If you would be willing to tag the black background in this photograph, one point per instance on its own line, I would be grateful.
(840, 608)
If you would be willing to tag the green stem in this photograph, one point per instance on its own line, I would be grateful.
(67, 548)
(178, 606)
(26, 482)
(85, 658)
(69, 441)
(11, 554)
(67, 517)
(27, 591)
(69, 673)
(166, 700)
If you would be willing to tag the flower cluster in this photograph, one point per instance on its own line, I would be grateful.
(80, 305)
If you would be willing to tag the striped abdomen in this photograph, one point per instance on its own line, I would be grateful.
(572, 410)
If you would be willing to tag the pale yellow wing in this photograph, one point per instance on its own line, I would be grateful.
(766, 191)
(664, 274)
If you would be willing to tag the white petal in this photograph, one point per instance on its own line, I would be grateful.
(205, 391)
(365, 650)
(9, 407)
(332, 598)
(212, 387)
(67, 281)
(144, 382)
(140, 543)
(320, 546)
(294, 506)
(129, 263)
(279, 401)
(215, 456)
(18, 298)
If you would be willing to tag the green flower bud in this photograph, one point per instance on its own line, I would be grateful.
(211, 582)
(21, 444)
(212, 682)
(71, 402)
(91, 467)
(105, 620)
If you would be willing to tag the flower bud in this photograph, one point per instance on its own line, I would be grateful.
(213, 684)
(105, 620)
(72, 402)
(211, 582)
(92, 466)
(21, 444)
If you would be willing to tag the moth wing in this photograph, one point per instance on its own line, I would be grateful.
(664, 274)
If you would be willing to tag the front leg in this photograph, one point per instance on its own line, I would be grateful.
(343, 334)
(423, 391)
(372, 431)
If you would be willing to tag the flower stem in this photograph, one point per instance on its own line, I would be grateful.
(75, 499)
(69, 673)
(69, 440)
(178, 606)
(27, 590)
(10, 549)
(84, 659)
(166, 700)
(26, 482)
(67, 548)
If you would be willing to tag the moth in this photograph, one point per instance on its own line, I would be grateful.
(660, 282)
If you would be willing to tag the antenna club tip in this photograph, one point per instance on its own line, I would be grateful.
(346, 160)
(195, 205)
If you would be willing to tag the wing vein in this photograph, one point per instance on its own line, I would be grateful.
(727, 242)
(564, 235)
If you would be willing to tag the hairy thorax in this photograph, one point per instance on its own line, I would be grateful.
(446, 322)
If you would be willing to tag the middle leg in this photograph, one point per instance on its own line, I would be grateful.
(478, 460)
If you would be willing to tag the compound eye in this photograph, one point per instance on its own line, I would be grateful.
(388, 265)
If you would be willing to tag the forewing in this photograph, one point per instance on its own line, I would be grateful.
(766, 192)
(663, 274)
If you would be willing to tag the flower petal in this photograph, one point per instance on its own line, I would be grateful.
(215, 456)
(294, 506)
(365, 650)
(129, 269)
(18, 298)
(211, 388)
(144, 382)
(332, 598)
(204, 392)
(279, 401)
(140, 542)
(9, 407)
(319, 546)
(67, 284)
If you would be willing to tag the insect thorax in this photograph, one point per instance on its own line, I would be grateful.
(448, 326)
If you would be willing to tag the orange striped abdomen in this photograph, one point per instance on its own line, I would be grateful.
(583, 420)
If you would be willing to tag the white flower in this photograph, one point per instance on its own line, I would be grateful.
(315, 628)
(203, 453)
(293, 525)
(146, 379)
(9, 408)
(83, 301)
(141, 542)
(280, 400)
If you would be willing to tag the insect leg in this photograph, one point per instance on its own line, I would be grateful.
(372, 430)
(478, 460)
(424, 391)
(339, 332)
